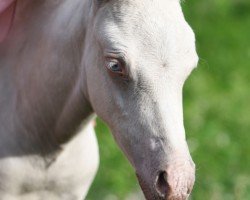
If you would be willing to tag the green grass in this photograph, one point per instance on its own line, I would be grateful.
(216, 108)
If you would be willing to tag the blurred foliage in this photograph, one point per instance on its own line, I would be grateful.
(216, 108)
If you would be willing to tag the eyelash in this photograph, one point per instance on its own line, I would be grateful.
(111, 61)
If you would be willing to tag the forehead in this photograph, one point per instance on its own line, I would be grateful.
(155, 27)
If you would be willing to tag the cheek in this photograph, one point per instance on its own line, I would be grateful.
(106, 99)
(178, 76)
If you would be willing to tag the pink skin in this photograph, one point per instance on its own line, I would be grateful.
(180, 178)
(7, 10)
(5, 4)
(174, 182)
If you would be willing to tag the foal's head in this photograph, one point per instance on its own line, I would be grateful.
(138, 55)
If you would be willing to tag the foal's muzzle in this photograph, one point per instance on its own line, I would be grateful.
(175, 182)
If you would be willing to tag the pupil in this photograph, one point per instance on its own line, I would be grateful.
(116, 67)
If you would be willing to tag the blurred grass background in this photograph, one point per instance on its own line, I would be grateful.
(216, 109)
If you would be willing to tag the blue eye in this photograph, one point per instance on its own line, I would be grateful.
(114, 66)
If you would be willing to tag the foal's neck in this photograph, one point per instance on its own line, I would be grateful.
(44, 56)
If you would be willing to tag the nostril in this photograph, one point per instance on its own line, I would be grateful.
(161, 184)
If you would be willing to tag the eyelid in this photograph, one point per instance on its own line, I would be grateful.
(121, 57)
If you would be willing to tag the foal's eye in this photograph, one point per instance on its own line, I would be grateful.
(114, 66)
